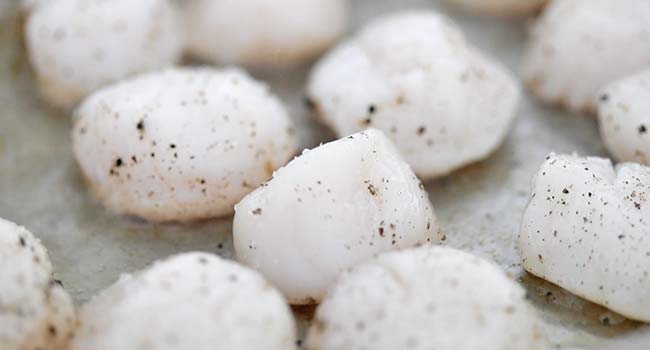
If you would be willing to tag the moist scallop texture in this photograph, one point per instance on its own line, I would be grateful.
(587, 230)
(182, 144)
(264, 32)
(624, 118)
(329, 209)
(77, 46)
(500, 8)
(36, 312)
(426, 298)
(579, 46)
(413, 76)
(194, 301)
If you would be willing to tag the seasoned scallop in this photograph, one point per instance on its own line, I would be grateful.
(579, 46)
(426, 298)
(624, 118)
(413, 76)
(182, 144)
(500, 8)
(191, 301)
(586, 229)
(334, 206)
(36, 312)
(264, 32)
(78, 46)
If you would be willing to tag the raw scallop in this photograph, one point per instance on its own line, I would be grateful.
(329, 209)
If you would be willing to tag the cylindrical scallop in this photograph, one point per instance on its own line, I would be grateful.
(182, 144)
(36, 312)
(263, 32)
(426, 298)
(579, 46)
(586, 229)
(329, 209)
(194, 301)
(78, 46)
(500, 8)
(413, 76)
(624, 118)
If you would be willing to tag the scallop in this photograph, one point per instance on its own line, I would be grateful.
(78, 46)
(36, 312)
(266, 33)
(500, 8)
(579, 46)
(192, 301)
(413, 76)
(182, 144)
(586, 230)
(624, 118)
(426, 298)
(329, 209)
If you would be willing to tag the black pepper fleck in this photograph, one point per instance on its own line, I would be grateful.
(372, 190)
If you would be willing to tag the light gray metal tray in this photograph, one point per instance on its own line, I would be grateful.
(479, 207)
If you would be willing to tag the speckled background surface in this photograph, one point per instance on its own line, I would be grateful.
(479, 207)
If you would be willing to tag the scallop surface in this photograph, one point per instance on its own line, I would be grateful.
(413, 76)
(329, 209)
(624, 118)
(264, 32)
(194, 301)
(182, 144)
(78, 46)
(586, 229)
(579, 46)
(36, 312)
(500, 8)
(425, 298)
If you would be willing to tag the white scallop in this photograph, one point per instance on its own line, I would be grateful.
(624, 118)
(182, 144)
(189, 301)
(586, 229)
(426, 298)
(264, 32)
(413, 76)
(579, 46)
(336, 205)
(36, 312)
(500, 8)
(78, 46)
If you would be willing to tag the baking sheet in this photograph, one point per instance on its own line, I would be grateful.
(479, 207)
